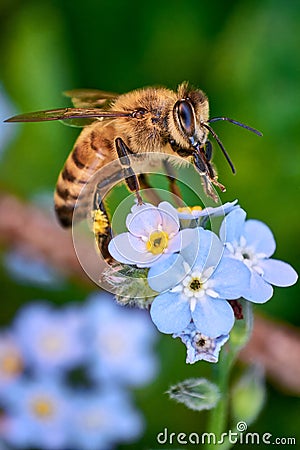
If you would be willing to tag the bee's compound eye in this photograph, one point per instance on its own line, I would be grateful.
(139, 113)
(185, 115)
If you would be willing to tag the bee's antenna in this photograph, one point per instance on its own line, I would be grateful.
(235, 122)
(214, 134)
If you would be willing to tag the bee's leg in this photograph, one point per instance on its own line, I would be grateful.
(212, 174)
(101, 225)
(203, 169)
(130, 177)
(207, 156)
(150, 193)
(208, 150)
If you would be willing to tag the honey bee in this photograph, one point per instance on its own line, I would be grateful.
(153, 119)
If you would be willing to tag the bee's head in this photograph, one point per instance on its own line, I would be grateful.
(189, 122)
(189, 113)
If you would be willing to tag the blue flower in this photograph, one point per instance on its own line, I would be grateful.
(103, 418)
(195, 212)
(37, 414)
(252, 243)
(120, 342)
(11, 360)
(195, 286)
(50, 339)
(200, 347)
(31, 270)
(153, 234)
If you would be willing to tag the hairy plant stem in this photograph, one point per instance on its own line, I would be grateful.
(218, 417)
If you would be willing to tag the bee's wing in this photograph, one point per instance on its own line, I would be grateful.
(74, 116)
(88, 98)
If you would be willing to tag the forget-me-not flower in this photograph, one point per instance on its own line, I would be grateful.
(120, 342)
(195, 212)
(102, 418)
(11, 360)
(153, 233)
(195, 285)
(252, 242)
(200, 347)
(37, 414)
(31, 270)
(50, 339)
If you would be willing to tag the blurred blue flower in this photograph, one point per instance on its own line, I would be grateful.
(195, 286)
(28, 270)
(37, 414)
(50, 339)
(120, 341)
(252, 243)
(11, 360)
(100, 419)
(200, 347)
(153, 234)
(7, 133)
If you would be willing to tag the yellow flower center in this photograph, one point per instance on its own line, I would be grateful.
(195, 284)
(51, 343)
(42, 407)
(11, 364)
(158, 242)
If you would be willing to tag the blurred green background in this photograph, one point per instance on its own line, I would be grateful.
(244, 54)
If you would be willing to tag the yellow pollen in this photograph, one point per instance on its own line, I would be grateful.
(100, 223)
(189, 209)
(158, 242)
(42, 408)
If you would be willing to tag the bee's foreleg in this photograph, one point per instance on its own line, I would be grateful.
(208, 150)
(130, 177)
(200, 162)
(208, 155)
(206, 169)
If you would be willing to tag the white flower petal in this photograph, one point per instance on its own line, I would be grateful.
(145, 220)
(120, 249)
(170, 217)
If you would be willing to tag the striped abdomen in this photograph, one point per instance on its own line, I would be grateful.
(93, 149)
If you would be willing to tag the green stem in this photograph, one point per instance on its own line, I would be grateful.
(219, 415)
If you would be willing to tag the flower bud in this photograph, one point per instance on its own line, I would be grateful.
(248, 395)
(195, 393)
(130, 286)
